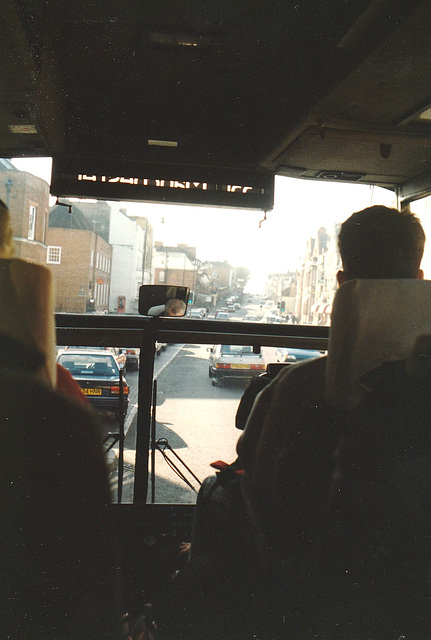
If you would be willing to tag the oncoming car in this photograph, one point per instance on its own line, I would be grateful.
(98, 375)
(234, 362)
(222, 315)
(197, 314)
(293, 356)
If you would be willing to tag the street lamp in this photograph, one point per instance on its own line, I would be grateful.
(83, 294)
(93, 283)
(144, 253)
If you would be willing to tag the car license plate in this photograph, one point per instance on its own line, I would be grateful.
(240, 366)
(92, 392)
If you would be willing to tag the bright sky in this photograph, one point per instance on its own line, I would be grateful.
(274, 245)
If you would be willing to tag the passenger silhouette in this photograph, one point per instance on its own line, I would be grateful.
(58, 566)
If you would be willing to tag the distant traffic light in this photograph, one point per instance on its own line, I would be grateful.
(282, 305)
(191, 297)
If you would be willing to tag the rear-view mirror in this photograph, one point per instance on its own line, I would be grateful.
(163, 300)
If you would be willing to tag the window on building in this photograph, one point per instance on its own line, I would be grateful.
(53, 255)
(161, 276)
(32, 222)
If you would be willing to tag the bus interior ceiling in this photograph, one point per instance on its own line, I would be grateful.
(324, 90)
(328, 90)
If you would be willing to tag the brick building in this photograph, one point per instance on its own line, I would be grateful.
(131, 239)
(27, 198)
(80, 261)
(175, 265)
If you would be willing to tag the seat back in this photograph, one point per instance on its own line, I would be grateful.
(365, 569)
(372, 322)
(348, 546)
(58, 564)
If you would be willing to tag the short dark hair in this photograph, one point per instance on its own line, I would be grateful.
(379, 242)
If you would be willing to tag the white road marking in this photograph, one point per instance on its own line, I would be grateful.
(171, 353)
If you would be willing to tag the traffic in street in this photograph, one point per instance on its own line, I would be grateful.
(199, 387)
(195, 412)
(193, 418)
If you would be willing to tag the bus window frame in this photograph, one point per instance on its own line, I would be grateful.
(144, 332)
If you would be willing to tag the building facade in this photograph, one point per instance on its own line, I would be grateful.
(27, 198)
(131, 239)
(316, 278)
(80, 261)
(281, 289)
(175, 265)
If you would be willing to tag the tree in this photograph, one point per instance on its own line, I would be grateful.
(242, 275)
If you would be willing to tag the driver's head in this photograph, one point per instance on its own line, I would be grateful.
(175, 307)
(6, 236)
(379, 242)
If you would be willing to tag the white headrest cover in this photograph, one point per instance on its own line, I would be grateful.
(27, 310)
(373, 321)
(157, 310)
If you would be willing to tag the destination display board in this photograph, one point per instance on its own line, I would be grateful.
(159, 183)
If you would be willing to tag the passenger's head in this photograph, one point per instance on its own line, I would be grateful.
(379, 242)
(6, 236)
(175, 307)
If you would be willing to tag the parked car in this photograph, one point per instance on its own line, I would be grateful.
(98, 374)
(286, 354)
(234, 362)
(250, 318)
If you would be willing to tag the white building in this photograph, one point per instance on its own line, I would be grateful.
(131, 241)
(131, 238)
(175, 265)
